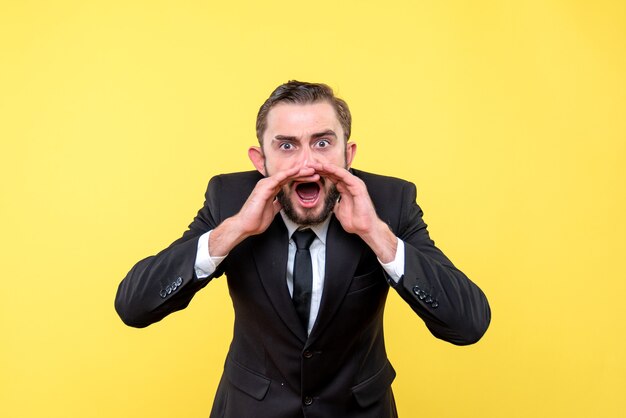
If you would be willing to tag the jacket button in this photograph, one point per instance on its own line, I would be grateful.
(179, 281)
(435, 304)
(307, 354)
(163, 293)
(308, 400)
(416, 289)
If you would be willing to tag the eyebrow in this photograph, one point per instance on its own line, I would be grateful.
(328, 132)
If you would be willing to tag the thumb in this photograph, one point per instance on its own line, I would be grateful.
(337, 206)
(276, 206)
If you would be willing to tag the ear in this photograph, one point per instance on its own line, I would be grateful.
(258, 159)
(350, 153)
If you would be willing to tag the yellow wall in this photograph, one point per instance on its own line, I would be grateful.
(508, 115)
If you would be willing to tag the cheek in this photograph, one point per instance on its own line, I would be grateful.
(286, 190)
(275, 164)
(337, 157)
(271, 167)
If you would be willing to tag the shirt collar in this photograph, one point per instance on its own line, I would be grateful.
(320, 229)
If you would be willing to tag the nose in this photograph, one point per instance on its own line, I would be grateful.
(306, 157)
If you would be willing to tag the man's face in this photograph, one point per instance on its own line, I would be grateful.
(296, 136)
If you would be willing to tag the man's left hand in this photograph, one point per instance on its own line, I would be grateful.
(356, 213)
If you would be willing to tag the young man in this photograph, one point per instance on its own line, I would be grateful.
(310, 248)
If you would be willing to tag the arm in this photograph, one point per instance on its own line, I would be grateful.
(166, 282)
(453, 308)
(159, 285)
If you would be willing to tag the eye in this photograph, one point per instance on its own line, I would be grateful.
(286, 146)
(323, 143)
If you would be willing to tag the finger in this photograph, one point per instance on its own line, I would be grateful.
(337, 207)
(331, 178)
(343, 206)
(280, 176)
(276, 206)
(343, 189)
(283, 177)
(272, 184)
(304, 177)
(333, 171)
(268, 187)
(339, 175)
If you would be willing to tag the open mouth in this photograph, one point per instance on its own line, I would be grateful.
(308, 193)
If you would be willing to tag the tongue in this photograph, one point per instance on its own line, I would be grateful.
(307, 191)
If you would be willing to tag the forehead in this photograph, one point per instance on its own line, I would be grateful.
(301, 119)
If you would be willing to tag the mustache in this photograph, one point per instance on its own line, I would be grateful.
(321, 181)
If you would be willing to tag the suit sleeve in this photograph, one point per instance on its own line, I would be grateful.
(452, 306)
(166, 282)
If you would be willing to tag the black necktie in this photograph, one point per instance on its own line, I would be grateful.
(303, 275)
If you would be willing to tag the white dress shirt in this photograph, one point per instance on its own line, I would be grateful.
(206, 264)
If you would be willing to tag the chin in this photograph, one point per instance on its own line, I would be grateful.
(305, 216)
(309, 216)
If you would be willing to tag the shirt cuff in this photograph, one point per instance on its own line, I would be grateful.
(395, 268)
(205, 264)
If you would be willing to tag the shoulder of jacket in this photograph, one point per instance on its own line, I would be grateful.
(375, 180)
(390, 196)
(242, 177)
(226, 193)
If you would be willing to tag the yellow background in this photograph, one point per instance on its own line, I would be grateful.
(508, 115)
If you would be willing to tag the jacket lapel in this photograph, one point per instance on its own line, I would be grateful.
(343, 252)
(270, 254)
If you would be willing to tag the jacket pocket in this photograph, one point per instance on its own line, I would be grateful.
(364, 281)
(373, 388)
(246, 380)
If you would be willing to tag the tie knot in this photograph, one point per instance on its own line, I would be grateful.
(303, 238)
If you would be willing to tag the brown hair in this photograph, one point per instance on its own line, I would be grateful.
(300, 92)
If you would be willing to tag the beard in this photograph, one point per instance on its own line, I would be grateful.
(308, 218)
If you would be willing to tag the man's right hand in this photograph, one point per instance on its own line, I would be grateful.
(258, 212)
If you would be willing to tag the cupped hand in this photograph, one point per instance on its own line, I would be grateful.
(356, 213)
(262, 206)
(354, 210)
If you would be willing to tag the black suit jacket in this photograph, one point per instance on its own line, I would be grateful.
(341, 370)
